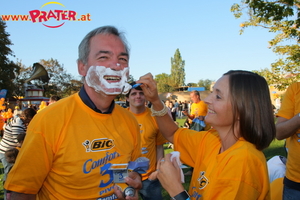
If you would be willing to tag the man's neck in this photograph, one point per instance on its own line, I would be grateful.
(137, 109)
(101, 100)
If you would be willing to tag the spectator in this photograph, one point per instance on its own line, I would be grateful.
(152, 143)
(173, 111)
(179, 113)
(20, 139)
(10, 156)
(276, 167)
(53, 99)
(288, 127)
(16, 126)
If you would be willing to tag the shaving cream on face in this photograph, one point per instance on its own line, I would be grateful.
(114, 84)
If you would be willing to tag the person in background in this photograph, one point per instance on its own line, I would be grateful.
(179, 112)
(167, 103)
(228, 160)
(16, 126)
(173, 111)
(152, 142)
(10, 156)
(1, 125)
(73, 146)
(53, 99)
(288, 127)
(17, 111)
(20, 138)
(276, 167)
(198, 108)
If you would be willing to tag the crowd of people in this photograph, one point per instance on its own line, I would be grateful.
(71, 147)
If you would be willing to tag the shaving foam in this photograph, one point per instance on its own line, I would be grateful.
(95, 79)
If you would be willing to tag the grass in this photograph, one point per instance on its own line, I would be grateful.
(275, 148)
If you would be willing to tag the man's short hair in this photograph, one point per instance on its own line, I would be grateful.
(196, 92)
(84, 46)
(137, 88)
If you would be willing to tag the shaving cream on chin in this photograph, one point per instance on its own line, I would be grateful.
(108, 81)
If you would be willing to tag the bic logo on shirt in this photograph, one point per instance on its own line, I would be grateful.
(203, 181)
(101, 144)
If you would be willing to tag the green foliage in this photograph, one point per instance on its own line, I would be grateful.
(24, 73)
(168, 83)
(8, 69)
(61, 83)
(177, 77)
(192, 84)
(205, 83)
(283, 19)
(163, 83)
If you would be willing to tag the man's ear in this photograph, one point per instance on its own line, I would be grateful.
(82, 68)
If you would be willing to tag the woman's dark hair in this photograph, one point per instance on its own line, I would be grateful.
(250, 99)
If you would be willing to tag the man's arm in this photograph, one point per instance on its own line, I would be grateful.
(159, 152)
(185, 112)
(21, 196)
(287, 127)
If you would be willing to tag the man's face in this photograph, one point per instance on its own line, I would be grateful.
(195, 98)
(136, 98)
(107, 65)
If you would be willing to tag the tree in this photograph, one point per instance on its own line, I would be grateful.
(283, 18)
(192, 84)
(177, 77)
(205, 83)
(163, 83)
(8, 69)
(61, 83)
(23, 74)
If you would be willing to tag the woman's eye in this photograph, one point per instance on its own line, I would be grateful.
(218, 97)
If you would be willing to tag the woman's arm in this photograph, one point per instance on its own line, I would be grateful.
(165, 123)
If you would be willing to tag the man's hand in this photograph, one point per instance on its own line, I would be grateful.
(153, 176)
(134, 180)
(201, 118)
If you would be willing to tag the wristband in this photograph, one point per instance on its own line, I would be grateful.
(182, 196)
(159, 113)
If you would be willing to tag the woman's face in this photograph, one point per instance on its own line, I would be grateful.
(219, 113)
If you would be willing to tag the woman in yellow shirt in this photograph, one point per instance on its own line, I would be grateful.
(228, 160)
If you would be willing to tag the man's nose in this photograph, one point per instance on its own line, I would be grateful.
(115, 66)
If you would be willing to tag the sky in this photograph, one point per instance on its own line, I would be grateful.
(205, 32)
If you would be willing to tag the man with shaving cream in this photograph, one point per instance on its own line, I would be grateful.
(69, 155)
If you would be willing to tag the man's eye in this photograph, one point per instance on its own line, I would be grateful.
(103, 57)
(123, 59)
(218, 97)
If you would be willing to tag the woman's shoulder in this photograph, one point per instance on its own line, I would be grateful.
(248, 152)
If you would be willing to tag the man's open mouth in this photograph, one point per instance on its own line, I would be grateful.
(112, 78)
